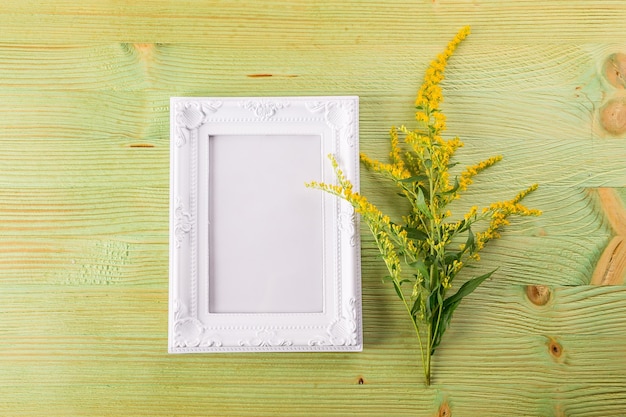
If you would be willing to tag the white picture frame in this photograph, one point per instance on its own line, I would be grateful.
(258, 261)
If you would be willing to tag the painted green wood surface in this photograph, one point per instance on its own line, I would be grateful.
(84, 161)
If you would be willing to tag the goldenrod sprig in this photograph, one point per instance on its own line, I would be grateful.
(422, 252)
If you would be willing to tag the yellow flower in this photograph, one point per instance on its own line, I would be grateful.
(429, 95)
(466, 176)
(439, 124)
(421, 116)
(397, 169)
(471, 213)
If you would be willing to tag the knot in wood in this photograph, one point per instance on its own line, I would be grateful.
(613, 116)
(538, 294)
(615, 70)
(555, 348)
(444, 411)
(144, 49)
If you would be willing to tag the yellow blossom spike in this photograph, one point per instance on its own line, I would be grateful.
(466, 176)
(396, 151)
(429, 95)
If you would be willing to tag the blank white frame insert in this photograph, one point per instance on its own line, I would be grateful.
(259, 262)
(254, 202)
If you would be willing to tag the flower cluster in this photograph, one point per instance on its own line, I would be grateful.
(429, 96)
(467, 175)
(425, 251)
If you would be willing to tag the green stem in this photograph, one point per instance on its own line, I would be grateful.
(436, 325)
(435, 236)
(424, 354)
(428, 357)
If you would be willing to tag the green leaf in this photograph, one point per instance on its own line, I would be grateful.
(420, 203)
(455, 188)
(415, 234)
(421, 267)
(425, 190)
(435, 272)
(416, 307)
(396, 286)
(451, 303)
(387, 278)
(470, 244)
(463, 226)
(434, 300)
(437, 333)
(450, 257)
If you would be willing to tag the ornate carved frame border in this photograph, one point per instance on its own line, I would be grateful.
(192, 326)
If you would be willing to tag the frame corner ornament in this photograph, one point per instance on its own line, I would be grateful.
(190, 115)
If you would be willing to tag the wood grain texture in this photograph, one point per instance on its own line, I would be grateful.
(321, 22)
(84, 172)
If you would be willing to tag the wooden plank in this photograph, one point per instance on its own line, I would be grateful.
(69, 232)
(67, 212)
(570, 311)
(62, 139)
(554, 66)
(70, 310)
(31, 219)
(324, 23)
(128, 137)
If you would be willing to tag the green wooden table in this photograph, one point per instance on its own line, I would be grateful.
(84, 177)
